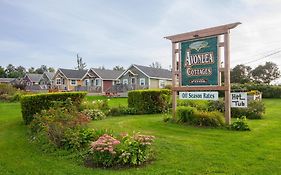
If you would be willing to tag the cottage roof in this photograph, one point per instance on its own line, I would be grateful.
(154, 72)
(34, 77)
(50, 75)
(72, 73)
(107, 74)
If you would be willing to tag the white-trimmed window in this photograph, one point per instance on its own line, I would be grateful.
(162, 83)
(97, 82)
(142, 81)
(125, 81)
(73, 82)
(58, 81)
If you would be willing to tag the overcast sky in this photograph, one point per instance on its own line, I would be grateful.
(123, 32)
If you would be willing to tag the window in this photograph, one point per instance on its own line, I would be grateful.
(58, 81)
(118, 82)
(125, 81)
(98, 82)
(142, 81)
(133, 80)
(162, 83)
(86, 82)
(73, 82)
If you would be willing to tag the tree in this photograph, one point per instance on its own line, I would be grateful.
(240, 74)
(2, 72)
(51, 69)
(31, 70)
(156, 65)
(41, 69)
(21, 71)
(118, 68)
(266, 73)
(80, 64)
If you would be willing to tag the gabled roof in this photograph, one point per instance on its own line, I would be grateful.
(72, 73)
(107, 74)
(152, 72)
(50, 75)
(34, 77)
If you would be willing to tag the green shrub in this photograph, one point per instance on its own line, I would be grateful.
(149, 101)
(212, 119)
(198, 104)
(77, 138)
(185, 114)
(32, 104)
(95, 114)
(121, 110)
(240, 124)
(61, 126)
(255, 110)
(192, 116)
(109, 151)
(8, 93)
(216, 105)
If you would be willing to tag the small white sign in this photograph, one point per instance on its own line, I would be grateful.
(199, 95)
(239, 99)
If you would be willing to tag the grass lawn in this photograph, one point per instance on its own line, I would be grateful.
(180, 149)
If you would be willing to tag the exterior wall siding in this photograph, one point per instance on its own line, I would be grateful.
(154, 83)
(137, 77)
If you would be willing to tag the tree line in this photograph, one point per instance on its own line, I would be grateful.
(261, 74)
(12, 71)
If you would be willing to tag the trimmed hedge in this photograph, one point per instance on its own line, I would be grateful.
(32, 104)
(149, 101)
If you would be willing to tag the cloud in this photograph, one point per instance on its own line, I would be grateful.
(122, 33)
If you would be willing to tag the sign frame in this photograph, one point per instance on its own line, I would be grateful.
(219, 31)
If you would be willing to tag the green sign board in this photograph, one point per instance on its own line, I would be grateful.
(199, 62)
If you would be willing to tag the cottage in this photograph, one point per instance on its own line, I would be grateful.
(100, 80)
(47, 79)
(144, 77)
(69, 79)
(32, 79)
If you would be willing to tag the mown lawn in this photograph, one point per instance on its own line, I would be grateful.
(180, 149)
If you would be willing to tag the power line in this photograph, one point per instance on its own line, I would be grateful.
(268, 55)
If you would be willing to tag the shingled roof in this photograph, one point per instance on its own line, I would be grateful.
(107, 74)
(72, 73)
(154, 72)
(50, 75)
(34, 77)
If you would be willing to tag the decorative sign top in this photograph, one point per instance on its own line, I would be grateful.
(199, 63)
(239, 99)
(199, 95)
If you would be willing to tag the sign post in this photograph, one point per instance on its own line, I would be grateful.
(196, 64)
